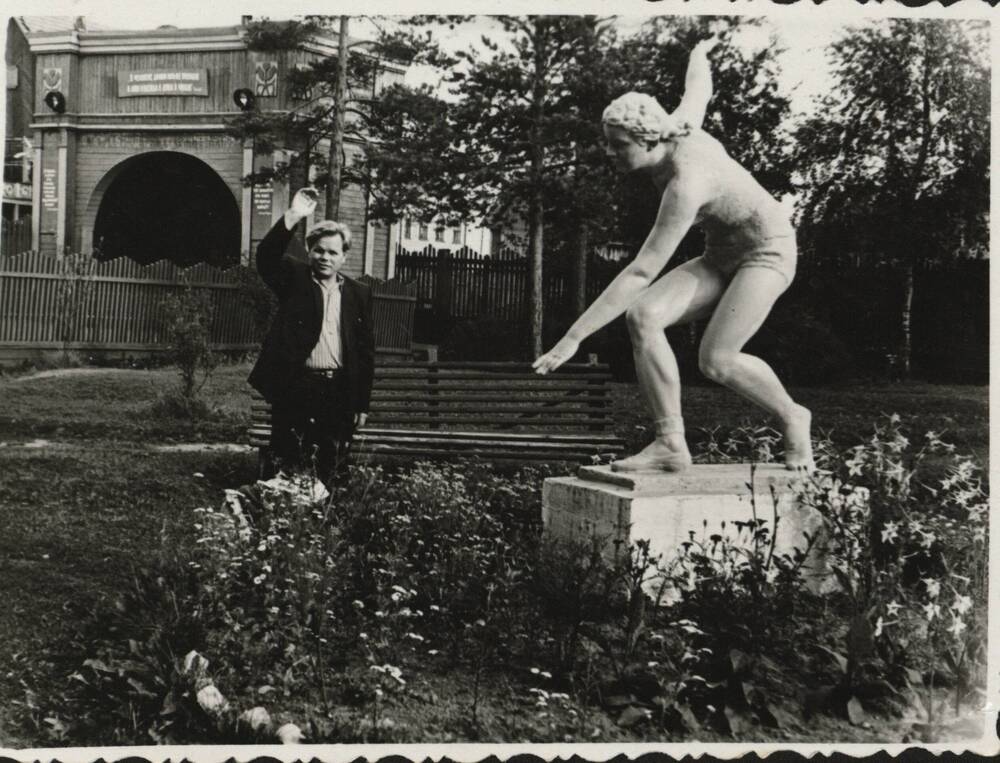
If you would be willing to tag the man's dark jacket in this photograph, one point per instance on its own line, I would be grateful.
(297, 324)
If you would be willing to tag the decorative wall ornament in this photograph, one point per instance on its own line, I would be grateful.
(266, 79)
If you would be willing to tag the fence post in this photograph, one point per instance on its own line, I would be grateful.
(442, 285)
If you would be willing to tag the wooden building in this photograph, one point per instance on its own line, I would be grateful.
(132, 156)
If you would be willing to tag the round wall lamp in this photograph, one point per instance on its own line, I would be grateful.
(55, 101)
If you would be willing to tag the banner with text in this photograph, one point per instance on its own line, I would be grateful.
(163, 82)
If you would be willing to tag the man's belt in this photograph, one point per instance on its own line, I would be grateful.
(326, 373)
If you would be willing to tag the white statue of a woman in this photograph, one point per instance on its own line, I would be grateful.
(749, 260)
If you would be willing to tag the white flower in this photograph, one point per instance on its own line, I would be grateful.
(211, 700)
(962, 604)
(256, 718)
(879, 625)
(289, 734)
(892, 608)
(194, 663)
(933, 587)
(928, 540)
(931, 610)
(890, 532)
(957, 626)
(358, 605)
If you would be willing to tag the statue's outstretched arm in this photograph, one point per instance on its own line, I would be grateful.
(697, 85)
(679, 207)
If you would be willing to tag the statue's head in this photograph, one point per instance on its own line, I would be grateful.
(643, 118)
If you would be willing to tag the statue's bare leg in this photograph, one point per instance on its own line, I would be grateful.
(686, 293)
(739, 314)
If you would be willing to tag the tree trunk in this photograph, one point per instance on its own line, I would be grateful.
(905, 349)
(337, 136)
(580, 269)
(536, 210)
(536, 230)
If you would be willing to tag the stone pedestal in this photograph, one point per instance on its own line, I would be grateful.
(663, 507)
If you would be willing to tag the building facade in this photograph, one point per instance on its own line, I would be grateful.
(132, 155)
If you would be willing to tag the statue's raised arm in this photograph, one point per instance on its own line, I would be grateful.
(697, 85)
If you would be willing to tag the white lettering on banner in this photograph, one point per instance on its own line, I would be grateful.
(163, 82)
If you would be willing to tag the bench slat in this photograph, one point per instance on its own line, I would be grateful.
(393, 404)
(457, 375)
(449, 435)
(491, 410)
(495, 365)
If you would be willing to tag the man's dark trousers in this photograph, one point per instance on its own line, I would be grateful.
(311, 427)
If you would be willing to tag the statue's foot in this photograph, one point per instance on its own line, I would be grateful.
(798, 442)
(658, 456)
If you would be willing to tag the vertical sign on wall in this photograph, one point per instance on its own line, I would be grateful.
(261, 199)
(47, 180)
(50, 195)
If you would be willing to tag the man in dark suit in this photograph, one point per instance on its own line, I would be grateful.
(317, 363)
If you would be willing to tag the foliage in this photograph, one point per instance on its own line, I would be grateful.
(896, 160)
(75, 285)
(258, 299)
(290, 614)
(908, 549)
(487, 339)
(186, 319)
(327, 107)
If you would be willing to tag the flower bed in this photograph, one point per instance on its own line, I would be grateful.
(302, 617)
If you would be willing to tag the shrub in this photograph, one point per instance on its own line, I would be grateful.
(186, 320)
(258, 299)
(907, 537)
(328, 606)
(486, 339)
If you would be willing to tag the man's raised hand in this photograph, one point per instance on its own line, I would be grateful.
(303, 204)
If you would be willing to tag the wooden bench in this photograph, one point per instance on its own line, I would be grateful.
(496, 411)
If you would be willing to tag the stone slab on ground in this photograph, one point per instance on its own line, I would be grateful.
(622, 507)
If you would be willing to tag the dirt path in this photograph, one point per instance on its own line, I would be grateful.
(176, 447)
(56, 373)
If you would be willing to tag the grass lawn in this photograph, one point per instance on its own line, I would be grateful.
(80, 512)
(844, 414)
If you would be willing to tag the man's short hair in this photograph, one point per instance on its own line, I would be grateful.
(328, 228)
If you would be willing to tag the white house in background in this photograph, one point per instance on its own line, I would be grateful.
(613, 251)
(414, 235)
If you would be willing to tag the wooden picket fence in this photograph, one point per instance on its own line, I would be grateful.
(465, 284)
(394, 303)
(77, 302)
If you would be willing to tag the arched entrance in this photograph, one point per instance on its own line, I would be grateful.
(167, 205)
